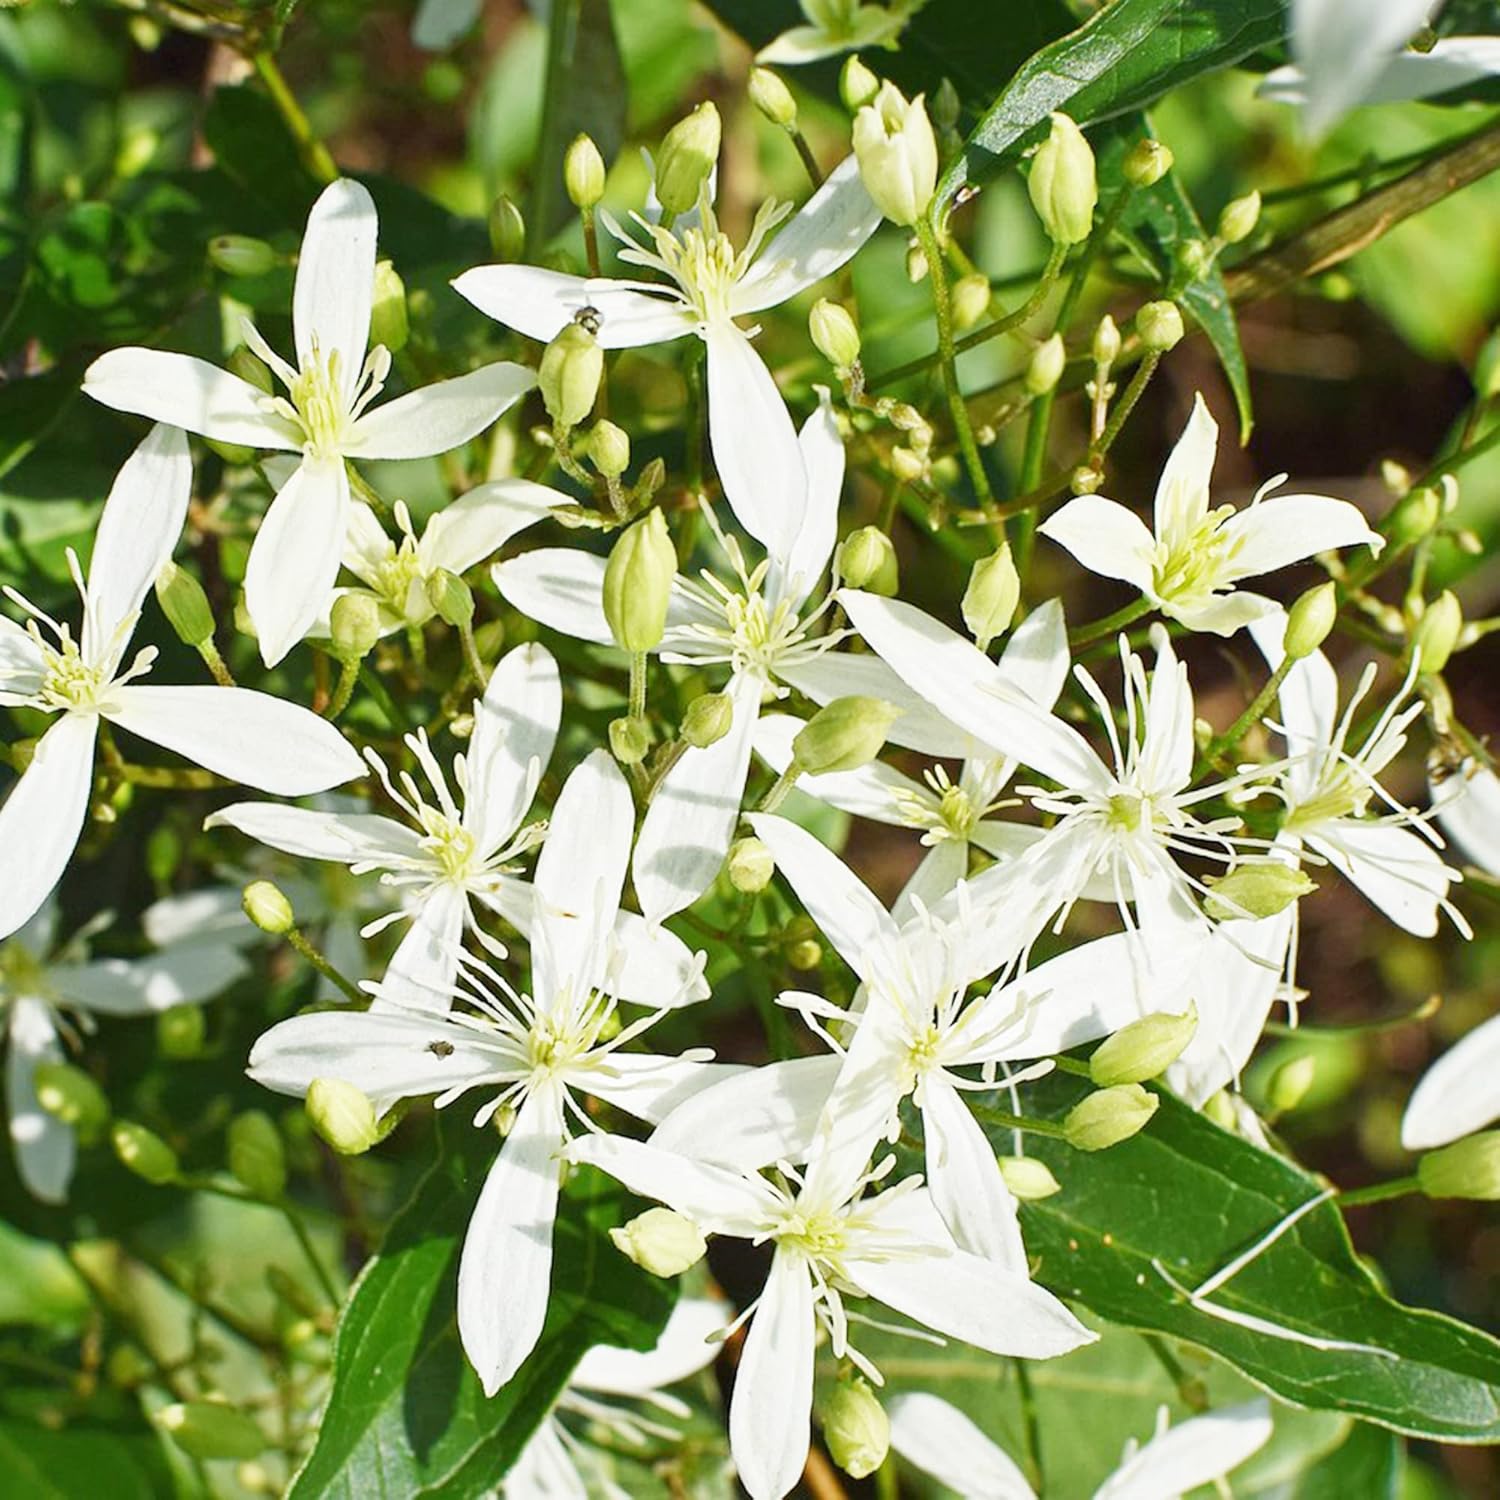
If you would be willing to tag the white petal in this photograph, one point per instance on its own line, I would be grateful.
(794, 577)
(1468, 808)
(477, 525)
(941, 1441)
(771, 1410)
(144, 986)
(1182, 491)
(336, 281)
(1341, 47)
(1106, 538)
(295, 556)
(505, 1272)
(652, 966)
(1165, 765)
(422, 969)
(367, 549)
(692, 816)
(682, 1350)
(22, 670)
(184, 391)
(942, 867)
(1220, 614)
(647, 1086)
(441, 416)
(539, 303)
(1458, 1094)
(719, 1201)
(1397, 869)
(349, 838)
(44, 1146)
(823, 235)
(798, 45)
(1197, 1452)
(560, 587)
(212, 915)
(246, 736)
(1287, 528)
(965, 1182)
(544, 1469)
(43, 816)
(1036, 656)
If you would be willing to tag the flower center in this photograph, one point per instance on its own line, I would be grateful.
(70, 682)
(557, 1042)
(821, 1235)
(1341, 794)
(399, 582)
(319, 399)
(834, 17)
(1198, 564)
(448, 842)
(1129, 811)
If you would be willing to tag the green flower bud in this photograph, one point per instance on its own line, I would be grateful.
(1487, 367)
(908, 465)
(507, 230)
(268, 908)
(1048, 361)
(1415, 517)
(1106, 347)
(989, 602)
(572, 367)
(661, 1242)
(1027, 1178)
(629, 740)
(856, 1429)
(707, 719)
(1143, 1049)
(1239, 218)
(867, 560)
(609, 449)
(916, 264)
(210, 1429)
(343, 1115)
(773, 98)
(252, 370)
(256, 1155)
(70, 1095)
(688, 153)
(946, 105)
(1159, 325)
(1106, 1118)
(858, 86)
(1063, 185)
(1436, 634)
(1194, 259)
(805, 955)
(388, 321)
(583, 173)
(751, 865)
(128, 1366)
(834, 333)
(180, 1032)
(1256, 891)
(354, 624)
(1290, 1082)
(638, 583)
(1310, 619)
(143, 1152)
(971, 300)
(1220, 1109)
(240, 255)
(1469, 1168)
(898, 156)
(844, 735)
(185, 605)
(1146, 163)
(452, 599)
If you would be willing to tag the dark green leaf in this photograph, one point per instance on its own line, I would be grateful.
(77, 1461)
(1370, 1464)
(252, 147)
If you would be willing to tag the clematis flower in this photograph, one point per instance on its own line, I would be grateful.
(1458, 1094)
(325, 416)
(246, 736)
(1189, 568)
(942, 1441)
(708, 284)
(51, 992)
(1466, 799)
(835, 26)
(533, 1051)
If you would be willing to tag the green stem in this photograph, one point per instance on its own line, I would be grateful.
(1110, 625)
(309, 1250)
(314, 153)
(1126, 404)
(809, 161)
(1222, 744)
(472, 656)
(215, 664)
(348, 676)
(1007, 1121)
(783, 784)
(1379, 1192)
(638, 685)
(299, 942)
(1031, 1429)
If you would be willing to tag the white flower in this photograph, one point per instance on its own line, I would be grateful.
(943, 1442)
(708, 285)
(1458, 1094)
(835, 26)
(48, 993)
(1466, 799)
(324, 415)
(246, 736)
(1189, 568)
(533, 1050)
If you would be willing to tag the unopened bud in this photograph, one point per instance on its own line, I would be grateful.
(1290, 1083)
(180, 1031)
(1414, 517)
(1310, 619)
(1256, 891)
(1063, 186)
(773, 98)
(989, 602)
(507, 230)
(916, 264)
(572, 367)
(143, 1152)
(751, 865)
(805, 955)
(856, 1429)
(1027, 1178)
(343, 1115)
(858, 86)
(583, 173)
(256, 1154)
(609, 449)
(1111, 1115)
(1469, 1168)
(1436, 633)
(240, 255)
(211, 1430)
(268, 908)
(688, 153)
(388, 321)
(1239, 218)
(451, 598)
(1143, 1049)
(1085, 480)
(70, 1095)
(1048, 361)
(185, 605)
(867, 560)
(971, 299)
(1395, 476)
(354, 624)
(907, 464)
(629, 739)
(1146, 163)
(1106, 346)
(252, 370)
(898, 155)
(1487, 367)
(1159, 325)
(661, 1242)
(638, 583)
(652, 477)
(1220, 1109)
(1194, 259)
(707, 719)
(834, 333)
(844, 735)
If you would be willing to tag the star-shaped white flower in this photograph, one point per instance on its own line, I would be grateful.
(325, 414)
(1190, 567)
(835, 26)
(247, 736)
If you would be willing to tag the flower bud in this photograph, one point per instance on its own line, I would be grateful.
(256, 1155)
(834, 333)
(1106, 1118)
(661, 1242)
(252, 370)
(638, 583)
(971, 299)
(507, 230)
(858, 86)
(143, 1152)
(1220, 1109)
(1194, 259)
(629, 740)
(908, 465)
(1106, 347)
(343, 1115)
(268, 908)
(1290, 1082)
(210, 1429)
(688, 153)
(989, 602)
(388, 321)
(867, 560)
(583, 173)
(1048, 361)
(354, 625)
(1027, 1178)
(844, 735)
(572, 366)
(451, 598)
(70, 1095)
(1063, 186)
(1414, 517)
(805, 955)
(856, 1429)
(751, 865)
(1256, 891)
(185, 605)
(1159, 325)
(240, 255)
(773, 98)
(707, 719)
(916, 264)
(898, 156)
(1310, 619)
(1239, 218)
(609, 449)
(1143, 1049)
(1469, 1168)
(1085, 480)
(1146, 163)
(1487, 367)
(180, 1032)
(1436, 633)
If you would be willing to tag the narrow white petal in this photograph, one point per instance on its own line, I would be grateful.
(544, 1469)
(1106, 538)
(44, 1146)
(539, 303)
(1398, 870)
(348, 838)
(515, 727)
(1458, 1094)
(652, 966)
(798, 45)
(870, 792)
(145, 986)
(422, 969)
(794, 576)
(941, 1441)
(1341, 46)
(1287, 528)
(1468, 808)
(1166, 757)
(1194, 1453)
(1182, 491)
(22, 670)
(682, 1350)
(441, 416)
(650, 1087)
(1220, 614)
(965, 1182)
(560, 587)
(336, 281)
(478, 524)
(1036, 656)
(942, 867)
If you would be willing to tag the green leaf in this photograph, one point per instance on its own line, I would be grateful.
(252, 147)
(1370, 1464)
(42, 1464)
(406, 1416)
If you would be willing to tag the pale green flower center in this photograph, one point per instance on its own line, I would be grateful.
(1189, 567)
(922, 1051)
(70, 682)
(953, 816)
(820, 1235)
(1341, 794)
(448, 842)
(319, 399)
(21, 973)
(395, 577)
(1129, 811)
(559, 1042)
(834, 17)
